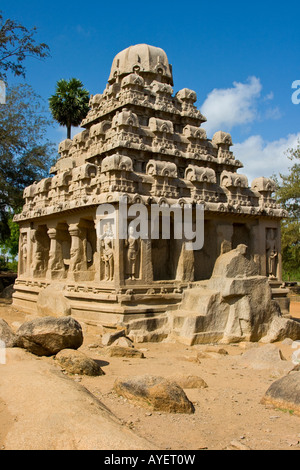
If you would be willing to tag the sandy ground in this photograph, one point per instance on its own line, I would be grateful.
(228, 413)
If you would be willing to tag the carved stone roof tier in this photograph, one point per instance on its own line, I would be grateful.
(141, 139)
(141, 58)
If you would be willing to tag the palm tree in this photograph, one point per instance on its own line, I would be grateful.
(70, 103)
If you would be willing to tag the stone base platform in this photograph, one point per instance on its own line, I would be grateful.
(92, 304)
(235, 304)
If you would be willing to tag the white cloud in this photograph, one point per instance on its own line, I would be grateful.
(262, 158)
(269, 96)
(272, 113)
(83, 31)
(240, 106)
(229, 107)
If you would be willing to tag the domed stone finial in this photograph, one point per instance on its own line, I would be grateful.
(142, 58)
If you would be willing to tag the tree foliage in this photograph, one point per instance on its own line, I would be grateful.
(288, 195)
(70, 103)
(16, 44)
(11, 243)
(25, 152)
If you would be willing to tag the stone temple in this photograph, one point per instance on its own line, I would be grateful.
(145, 144)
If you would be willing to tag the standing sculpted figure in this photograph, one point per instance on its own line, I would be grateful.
(272, 253)
(24, 253)
(107, 244)
(132, 245)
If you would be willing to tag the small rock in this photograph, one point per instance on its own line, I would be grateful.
(239, 446)
(94, 346)
(76, 362)
(154, 392)
(124, 342)
(292, 442)
(189, 381)
(119, 351)
(110, 338)
(191, 358)
(201, 355)
(216, 349)
(287, 341)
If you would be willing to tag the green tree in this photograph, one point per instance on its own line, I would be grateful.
(10, 247)
(70, 103)
(16, 44)
(288, 195)
(25, 152)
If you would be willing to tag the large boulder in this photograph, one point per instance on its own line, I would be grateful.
(43, 409)
(52, 302)
(48, 335)
(156, 393)
(282, 328)
(234, 264)
(7, 336)
(266, 357)
(285, 393)
(234, 305)
(7, 292)
(76, 362)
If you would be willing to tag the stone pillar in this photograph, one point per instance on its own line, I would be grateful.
(279, 265)
(260, 247)
(56, 269)
(78, 264)
(118, 246)
(97, 254)
(186, 263)
(146, 261)
(37, 255)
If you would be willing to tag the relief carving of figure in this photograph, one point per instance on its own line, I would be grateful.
(272, 253)
(132, 245)
(107, 244)
(75, 259)
(273, 263)
(38, 254)
(24, 252)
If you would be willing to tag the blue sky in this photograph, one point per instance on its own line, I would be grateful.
(241, 58)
